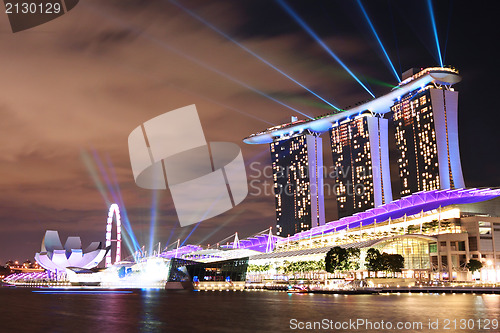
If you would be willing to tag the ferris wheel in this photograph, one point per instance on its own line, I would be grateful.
(113, 210)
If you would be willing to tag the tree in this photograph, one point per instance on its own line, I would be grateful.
(335, 259)
(474, 265)
(320, 265)
(413, 229)
(392, 262)
(353, 259)
(376, 262)
(397, 263)
(373, 260)
(341, 260)
(258, 268)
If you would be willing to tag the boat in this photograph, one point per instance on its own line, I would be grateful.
(298, 289)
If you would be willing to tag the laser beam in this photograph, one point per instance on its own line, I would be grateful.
(214, 231)
(311, 33)
(87, 161)
(115, 192)
(123, 210)
(189, 235)
(170, 237)
(434, 29)
(154, 215)
(200, 63)
(90, 164)
(246, 49)
(389, 62)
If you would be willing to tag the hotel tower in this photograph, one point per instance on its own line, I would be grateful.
(361, 161)
(298, 183)
(423, 109)
(426, 131)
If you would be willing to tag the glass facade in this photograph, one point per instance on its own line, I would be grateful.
(297, 177)
(416, 142)
(414, 250)
(227, 270)
(178, 271)
(351, 157)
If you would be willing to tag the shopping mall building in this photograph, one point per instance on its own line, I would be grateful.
(436, 244)
(437, 225)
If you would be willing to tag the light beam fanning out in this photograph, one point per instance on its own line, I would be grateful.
(246, 49)
(389, 62)
(154, 216)
(189, 235)
(311, 33)
(123, 211)
(139, 32)
(106, 189)
(114, 190)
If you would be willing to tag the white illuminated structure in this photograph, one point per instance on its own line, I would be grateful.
(437, 76)
(113, 210)
(56, 258)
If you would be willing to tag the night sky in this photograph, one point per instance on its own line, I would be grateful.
(74, 88)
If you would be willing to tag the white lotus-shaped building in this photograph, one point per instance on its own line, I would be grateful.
(55, 258)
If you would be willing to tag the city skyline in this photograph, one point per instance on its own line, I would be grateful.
(74, 88)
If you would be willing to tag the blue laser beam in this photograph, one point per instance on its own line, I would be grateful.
(434, 29)
(246, 49)
(311, 33)
(202, 219)
(121, 203)
(89, 163)
(154, 215)
(389, 62)
(214, 231)
(196, 226)
(229, 77)
(200, 63)
(170, 237)
(116, 195)
(223, 105)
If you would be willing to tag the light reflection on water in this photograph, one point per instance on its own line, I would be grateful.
(250, 311)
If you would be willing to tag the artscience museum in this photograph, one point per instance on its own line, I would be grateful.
(56, 258)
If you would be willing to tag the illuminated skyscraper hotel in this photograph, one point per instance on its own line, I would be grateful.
(423, 108)
(426, 130)
(298, 183)
(361, 160)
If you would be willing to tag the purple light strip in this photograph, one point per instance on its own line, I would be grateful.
(409, 205)
(255, 242)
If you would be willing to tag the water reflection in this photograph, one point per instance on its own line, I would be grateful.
(150, 320)
(249, 311)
